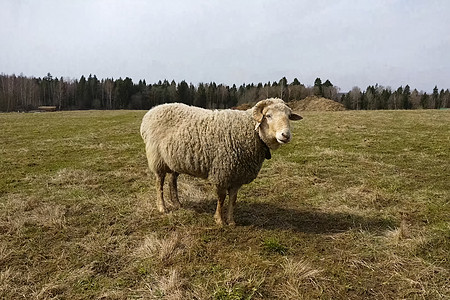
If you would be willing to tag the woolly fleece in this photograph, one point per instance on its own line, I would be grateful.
(221, 145)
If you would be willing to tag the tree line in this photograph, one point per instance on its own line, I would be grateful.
(379, 97)
(21, 93)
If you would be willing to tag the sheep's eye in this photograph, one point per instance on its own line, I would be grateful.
(268, 116)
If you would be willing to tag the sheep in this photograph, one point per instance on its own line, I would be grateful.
(226, 146)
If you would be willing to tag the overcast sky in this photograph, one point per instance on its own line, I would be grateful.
(351, 43)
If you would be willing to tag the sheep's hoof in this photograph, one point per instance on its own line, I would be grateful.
(176, 204)
(162, 209)
(219, 220)
(231, 223)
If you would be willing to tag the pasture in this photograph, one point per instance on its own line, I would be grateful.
(355, 207)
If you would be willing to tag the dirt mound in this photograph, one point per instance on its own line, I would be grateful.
(315, 103)
(244, 106)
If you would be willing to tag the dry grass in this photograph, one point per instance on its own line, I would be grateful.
(169, 286)
(300, 279)
(356, 207)
(164, 249)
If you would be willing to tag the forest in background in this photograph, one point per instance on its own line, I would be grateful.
(21, 93)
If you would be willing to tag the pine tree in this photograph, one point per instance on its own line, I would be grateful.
(406, 98)
(295, 82)
(233, 96)
(435, 97)
(82, 101)
(93, 94)
(424, 99)
(327, 83)
(442, 99)
(183, 92)
(328, 90)
(318, 87)
(200, 98)
(384, 98)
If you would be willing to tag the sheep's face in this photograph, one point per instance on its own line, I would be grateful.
(272, 117)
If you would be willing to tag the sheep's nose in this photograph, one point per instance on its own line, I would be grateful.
(286, 135)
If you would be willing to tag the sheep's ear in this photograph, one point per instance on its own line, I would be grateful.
(258, 110)
(295, 117)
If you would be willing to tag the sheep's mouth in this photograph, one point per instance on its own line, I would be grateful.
(283, 141)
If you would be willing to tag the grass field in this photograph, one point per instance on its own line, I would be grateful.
(356, 207)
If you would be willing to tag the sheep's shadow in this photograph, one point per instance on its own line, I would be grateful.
(271, 216)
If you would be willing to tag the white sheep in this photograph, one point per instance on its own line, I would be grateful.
(226, 146)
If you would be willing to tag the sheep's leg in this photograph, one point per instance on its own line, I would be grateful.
(160, 192)
(174, 190)
(232, 194)
(218, 216)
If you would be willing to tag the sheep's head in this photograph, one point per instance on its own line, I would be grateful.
(272, 117)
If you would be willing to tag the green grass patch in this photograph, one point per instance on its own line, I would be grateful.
(273, 245)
